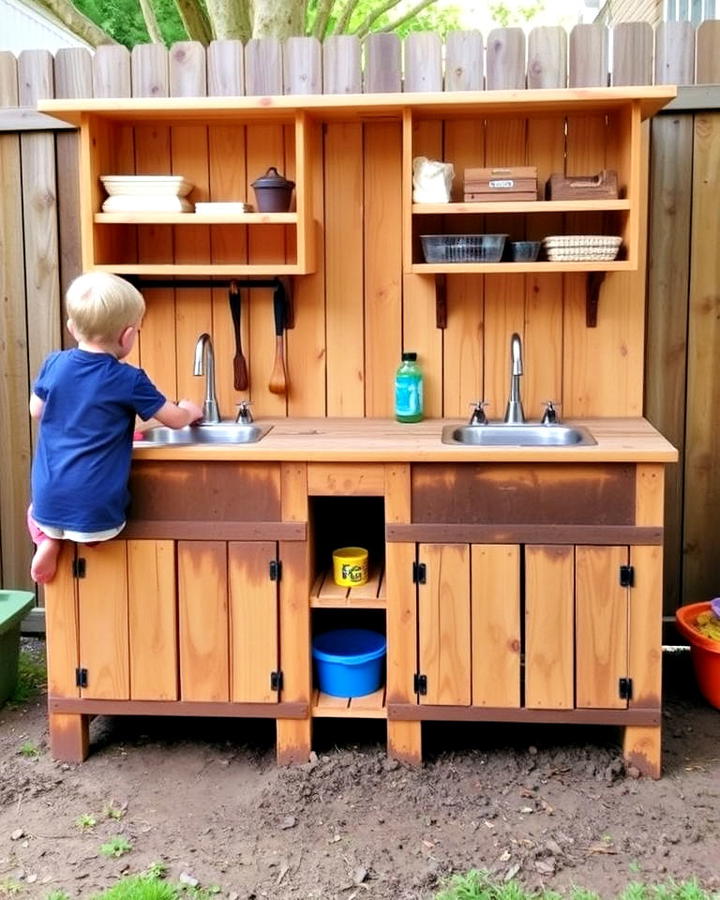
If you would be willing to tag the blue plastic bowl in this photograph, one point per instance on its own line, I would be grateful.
(349, 661)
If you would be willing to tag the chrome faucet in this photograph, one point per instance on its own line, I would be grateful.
(244, 416)
(514, 413)
(205, 364)
(477, 416)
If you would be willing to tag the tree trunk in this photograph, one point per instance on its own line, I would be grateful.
(78, 23)
(230, 19)
(195, 21)
(278, 18)
(151, 22)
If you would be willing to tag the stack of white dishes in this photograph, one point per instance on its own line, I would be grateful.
(146, 193)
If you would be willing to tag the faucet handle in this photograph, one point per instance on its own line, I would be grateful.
(549, 416)
(243, 412)
(477, 416)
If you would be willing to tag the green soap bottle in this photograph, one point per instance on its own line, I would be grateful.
(409, 390)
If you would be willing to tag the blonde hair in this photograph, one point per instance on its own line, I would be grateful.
(101, 305)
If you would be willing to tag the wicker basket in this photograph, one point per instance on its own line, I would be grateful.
(581, 247)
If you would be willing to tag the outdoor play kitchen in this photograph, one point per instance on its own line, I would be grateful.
(304, 554)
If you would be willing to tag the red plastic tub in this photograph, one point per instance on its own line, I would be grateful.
(705, 652)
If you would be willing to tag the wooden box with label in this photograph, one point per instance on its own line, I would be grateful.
(509, 183)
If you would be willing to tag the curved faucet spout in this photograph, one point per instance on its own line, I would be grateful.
(514, 412)
(205, 364)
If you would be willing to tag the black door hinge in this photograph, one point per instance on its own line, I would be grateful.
(627, 576)
(275, 570)
(78, 567)
(420, 684)
(625, 688)
(81, 677)
(419, 573)
(276, 681)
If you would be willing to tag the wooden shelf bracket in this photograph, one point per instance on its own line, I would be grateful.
(593, 285)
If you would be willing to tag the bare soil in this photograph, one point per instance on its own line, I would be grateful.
(554, 807)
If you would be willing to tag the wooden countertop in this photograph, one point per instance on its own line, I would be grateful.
(384, 440)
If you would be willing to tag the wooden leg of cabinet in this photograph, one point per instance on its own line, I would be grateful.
(404, 742)
(642, 748)
(69, 737)
(293, 741)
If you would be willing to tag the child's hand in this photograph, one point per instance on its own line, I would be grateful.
(193, 409)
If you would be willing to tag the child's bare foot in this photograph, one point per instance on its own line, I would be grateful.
(44, 563)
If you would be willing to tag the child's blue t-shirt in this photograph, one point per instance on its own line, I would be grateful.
(82, 463)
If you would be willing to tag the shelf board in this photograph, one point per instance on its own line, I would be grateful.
(171, 270)
(188, 218)
(326, 594)
(519, 206)
(438, 104)
(505, 268)
(371, 706)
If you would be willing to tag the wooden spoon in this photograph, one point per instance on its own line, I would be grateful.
(240, 372)
(278, 379)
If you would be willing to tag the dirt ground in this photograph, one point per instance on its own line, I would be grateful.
(553, 807)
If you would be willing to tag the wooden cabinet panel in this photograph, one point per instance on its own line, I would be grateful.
(253, 621)
(495, 625)
(103, 621)
(601, 626)
(549, 590)
(152, 614)
(203, 614)
(444, 623)
(61, 624)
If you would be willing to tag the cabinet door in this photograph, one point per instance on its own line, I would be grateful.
(152, 610)
(103, 621)
(203, 620)
(496, 625)
(549, 587)
(444, 623)
(601, 642)
(253, 621)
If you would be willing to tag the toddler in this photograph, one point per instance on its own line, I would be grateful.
(86, 400)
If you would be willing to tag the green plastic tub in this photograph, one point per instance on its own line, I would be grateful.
(14, 606)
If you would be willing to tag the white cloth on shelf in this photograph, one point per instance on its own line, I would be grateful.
(432, 180)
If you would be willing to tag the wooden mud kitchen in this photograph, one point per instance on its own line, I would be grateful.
(515, 564)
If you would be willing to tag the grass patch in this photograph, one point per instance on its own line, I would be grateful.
(478, 885)
(32, 677)
(150, 886)
(116, 846)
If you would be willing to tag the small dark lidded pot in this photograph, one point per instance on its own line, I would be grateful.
(273, 192)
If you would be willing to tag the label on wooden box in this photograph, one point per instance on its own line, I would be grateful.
(508, 183)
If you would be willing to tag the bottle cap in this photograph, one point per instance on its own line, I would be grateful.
(409, 357)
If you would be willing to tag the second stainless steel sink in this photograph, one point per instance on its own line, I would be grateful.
(221, 433)
(523, 435)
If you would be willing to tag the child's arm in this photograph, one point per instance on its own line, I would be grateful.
(176, 415)
(36, 406)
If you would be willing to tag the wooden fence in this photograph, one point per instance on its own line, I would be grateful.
(39, 234)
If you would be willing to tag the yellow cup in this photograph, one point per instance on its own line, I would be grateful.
(350, 566)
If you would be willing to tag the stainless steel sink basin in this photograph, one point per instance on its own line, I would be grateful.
(223, 433)
(501, 435)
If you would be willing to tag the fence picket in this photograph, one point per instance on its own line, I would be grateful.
(547, 58)
(674, 53)
(588, 56)
(707, 67)
(111, 71)
(632, 53)
(423, 62)
(506, 59)
(15, 545)
(303, 66)
(464, 61)
(383, 70)
(341, 65)
(263, 67)
(150, 71)
(226, 69)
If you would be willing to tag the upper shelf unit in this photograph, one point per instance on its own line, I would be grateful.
(222, 144)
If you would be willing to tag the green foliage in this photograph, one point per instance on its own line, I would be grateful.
(139, 887)
(156, 870)
(32, 676)
(112, 811)
(29, 750)
(9, 887)
(506, 17)
(123, 20)
(116, 846)
(85, 822)
(477, 885)
(57, 895)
